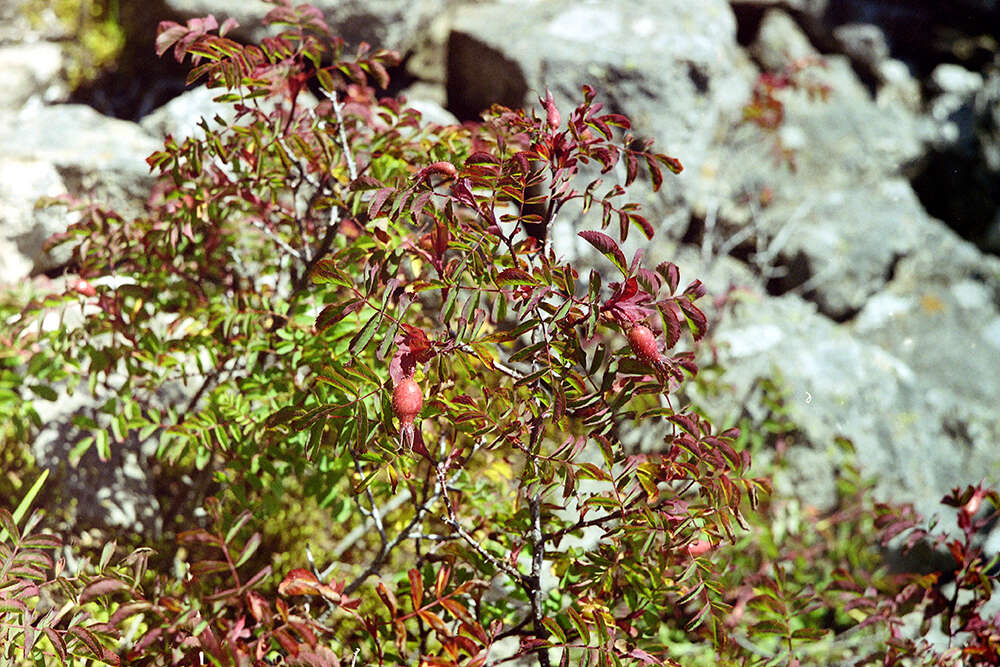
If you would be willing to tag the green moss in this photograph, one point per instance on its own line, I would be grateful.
(92, 33)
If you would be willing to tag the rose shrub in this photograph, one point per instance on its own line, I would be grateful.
(326, 262)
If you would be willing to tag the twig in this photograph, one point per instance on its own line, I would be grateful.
(708, 238)
(277, 239)
(388, 547)
(352, 537)
(499, 365)
(338, 108)
(452, 521)
(535, 580)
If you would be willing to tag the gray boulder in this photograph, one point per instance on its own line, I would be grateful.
(672, 66)
(819, 201)
(31, 71)
(391, 24)
(48, 151)
(780, 42)
(890, 393)
(181, 116)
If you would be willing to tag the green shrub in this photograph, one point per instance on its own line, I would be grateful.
(299, 270)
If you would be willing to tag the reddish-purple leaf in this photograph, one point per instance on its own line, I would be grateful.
(673, 164)
(655, 174)
(513, 277)
(57, 642)
(462, 191)
(298, 581)
(168, 33)
(378, 70)
(671, 274)
(99, 587)
(335, 312)
(696, 319)
(646, 658)
(695, 290)
(642, 223)
(481, 158)
(551, 112)
(199, 535)
(378, 200)
(388, 598)
(607, 247)
(416, 587)
(201, 568)
(228, 25)
(127, 611)
(442, 168)
(443, 575)
(87, 638)
(671, 323)
(365, 182)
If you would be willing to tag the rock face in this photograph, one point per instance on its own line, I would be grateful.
(53, 150)
(672, 66)
(391, 24)
(881, 324)
(31, 71)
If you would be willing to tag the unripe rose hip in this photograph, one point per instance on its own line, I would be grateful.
(407, 400)
(699, 548)
(84, 288)
(643, 343)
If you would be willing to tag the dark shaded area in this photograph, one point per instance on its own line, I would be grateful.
(699, 79)
(925, 33)
(139, 82)
(748, 20)
(479, 76)
(797, 270)
(958, 189)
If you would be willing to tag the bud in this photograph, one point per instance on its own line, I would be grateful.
(551, 112)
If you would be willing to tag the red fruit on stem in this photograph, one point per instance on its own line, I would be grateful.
(407, 400)
(699, 548)
(643, 343)
(84, 288)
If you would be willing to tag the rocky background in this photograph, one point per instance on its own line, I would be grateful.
(853, 244)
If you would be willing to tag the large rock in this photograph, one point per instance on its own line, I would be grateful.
(780, 42)
(895, 402)
(31, 71)
(673, 67)
(820, 199)
(391, 24)
(48, 151)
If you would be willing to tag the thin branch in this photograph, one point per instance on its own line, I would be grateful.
(387, 548)
(277, 239)
(452, 521)
(352, 537)
(338, 108)
(535, 580)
